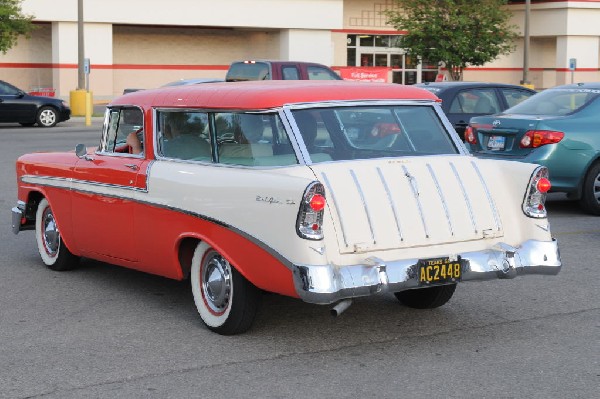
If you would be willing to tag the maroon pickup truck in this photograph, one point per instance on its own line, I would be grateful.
(279, 70)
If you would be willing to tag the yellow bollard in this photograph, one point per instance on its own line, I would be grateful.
(77, 102)
(88, 108)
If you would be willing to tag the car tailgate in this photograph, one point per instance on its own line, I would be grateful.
(502, 135)
(415, 201)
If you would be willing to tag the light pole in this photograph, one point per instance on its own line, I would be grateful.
(525, 80)
(80, 47)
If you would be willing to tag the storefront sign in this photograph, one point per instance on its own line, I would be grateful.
(365, 74)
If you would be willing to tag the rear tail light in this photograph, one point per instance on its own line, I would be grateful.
(470, 135)
(538, 138)
(309, 224)
(539, 185)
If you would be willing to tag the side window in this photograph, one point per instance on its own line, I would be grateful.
(290, 73)
(183, 135)
(125, 133)
(8, 90)
(515, 96)
(320, 73)
(475, 101)
(252, 140)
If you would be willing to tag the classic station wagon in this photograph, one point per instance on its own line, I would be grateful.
(323, 191)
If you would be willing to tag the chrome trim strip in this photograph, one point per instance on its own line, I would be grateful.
(415, 191)
(324, 284)
(442, 198)
(364, 204)
(34, 180)
(465, 196)
(337, 208)
(489, 197)
(392, 203)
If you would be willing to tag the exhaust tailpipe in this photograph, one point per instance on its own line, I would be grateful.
(340, 307)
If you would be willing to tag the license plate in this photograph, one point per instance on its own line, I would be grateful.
(496, 143)
(436, 271)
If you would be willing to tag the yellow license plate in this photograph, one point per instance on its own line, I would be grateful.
(439, 271)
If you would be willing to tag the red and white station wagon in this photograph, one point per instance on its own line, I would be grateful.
(324, 191)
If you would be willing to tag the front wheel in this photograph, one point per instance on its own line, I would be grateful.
(47, 117)
(226, 301)
(590, 198)
(426, 298)
(52, 249)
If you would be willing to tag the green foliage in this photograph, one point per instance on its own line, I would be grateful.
(456, 32)
(12, 24)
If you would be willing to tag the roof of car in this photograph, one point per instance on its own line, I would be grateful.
(464, 85)
(586, 85)
(269, 94)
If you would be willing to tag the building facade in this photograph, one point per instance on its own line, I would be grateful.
(147, 43)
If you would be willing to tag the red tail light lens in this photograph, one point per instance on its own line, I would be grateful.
(543, 185)
(470, 135)
(538, 138)
(317, 202)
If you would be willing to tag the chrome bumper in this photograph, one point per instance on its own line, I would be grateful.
(328, 284)
(17, 215)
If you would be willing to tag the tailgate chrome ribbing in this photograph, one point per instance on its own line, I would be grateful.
(442, 198)
(489, 197)
(465, 196)
(415, 190)
(337, 208)
(392, 203)
(364, 203)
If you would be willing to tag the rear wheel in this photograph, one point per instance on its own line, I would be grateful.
(226, 301)
(47, 117)
(590, 198)
(52, 249)
(426, 298)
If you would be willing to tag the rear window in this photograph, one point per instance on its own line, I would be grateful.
(251, 70)
(348, 133)
(555, 102)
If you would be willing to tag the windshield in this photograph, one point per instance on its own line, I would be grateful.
(555, 102)
(347, 133)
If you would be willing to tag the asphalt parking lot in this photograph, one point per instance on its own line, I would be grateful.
(106, 332)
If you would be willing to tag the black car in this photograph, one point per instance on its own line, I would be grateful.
(463, 100)
(16, 106)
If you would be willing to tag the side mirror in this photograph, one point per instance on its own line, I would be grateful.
(81, 152)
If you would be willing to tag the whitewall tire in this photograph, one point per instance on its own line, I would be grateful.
(53, 251)
(226, 301)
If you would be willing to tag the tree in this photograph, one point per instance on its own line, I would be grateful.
(13, 24)
(456, 33)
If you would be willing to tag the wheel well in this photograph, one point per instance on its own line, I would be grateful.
(33, 200)
(585, 176)
(185, 253)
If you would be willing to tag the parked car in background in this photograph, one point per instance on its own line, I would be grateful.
(463, 100)
(279, 70)
(558, 128)
(323, 192)
(16, 106)
(181, 82)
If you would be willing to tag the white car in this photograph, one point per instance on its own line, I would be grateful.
(324, 191)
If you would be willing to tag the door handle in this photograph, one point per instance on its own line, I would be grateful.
(132, 166)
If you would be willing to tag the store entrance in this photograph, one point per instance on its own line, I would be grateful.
(383, 51)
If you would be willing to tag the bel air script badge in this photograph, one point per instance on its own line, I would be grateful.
(272, 200)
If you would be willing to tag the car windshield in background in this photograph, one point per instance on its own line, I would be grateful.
(241, 71)
(555, 102)
(348, 133)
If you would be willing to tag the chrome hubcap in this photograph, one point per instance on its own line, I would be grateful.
(216, 283)
(47, 117)
(50, 234)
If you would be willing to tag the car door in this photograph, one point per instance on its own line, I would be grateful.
(469, 103)
(13, 108)
(104, 192)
